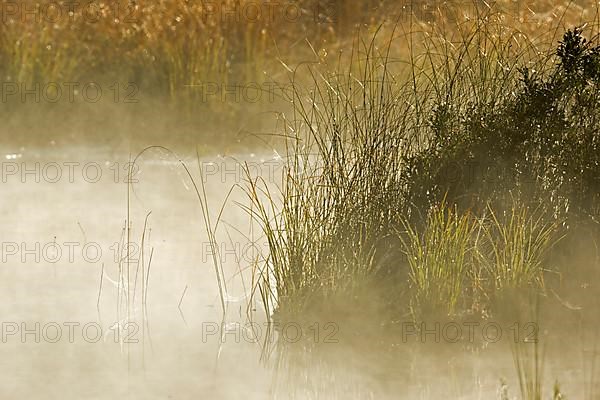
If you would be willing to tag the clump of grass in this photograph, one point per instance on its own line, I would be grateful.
(330, 224)
(439, 258)
(519, 241)
(369, 152)
(462, 259)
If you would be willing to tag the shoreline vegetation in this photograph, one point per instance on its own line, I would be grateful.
(475, 173)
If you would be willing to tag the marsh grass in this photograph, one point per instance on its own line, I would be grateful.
(161, 45)
(171, 49)
(439, 258)
(520, 242)
(329, 224)
(379, 195)
(460, 261)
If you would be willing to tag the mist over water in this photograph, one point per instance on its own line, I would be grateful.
(63, 216)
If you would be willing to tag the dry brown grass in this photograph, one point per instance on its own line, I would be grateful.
(173, 43)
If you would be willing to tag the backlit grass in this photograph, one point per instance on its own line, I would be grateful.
(431, 188)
